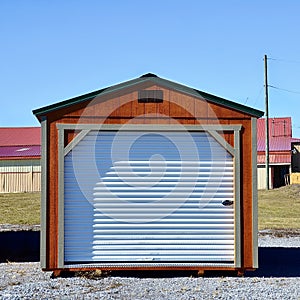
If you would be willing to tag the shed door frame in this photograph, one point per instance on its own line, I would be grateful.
(213, 130)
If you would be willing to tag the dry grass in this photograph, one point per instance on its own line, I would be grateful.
(20, 208)
(279, 208)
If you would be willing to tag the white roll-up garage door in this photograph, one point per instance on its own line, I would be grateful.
(155, 197)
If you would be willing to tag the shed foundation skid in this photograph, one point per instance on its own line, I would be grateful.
(157, 272)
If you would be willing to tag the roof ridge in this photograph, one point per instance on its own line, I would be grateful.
(157, 80)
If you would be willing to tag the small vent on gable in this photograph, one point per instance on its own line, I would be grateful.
(150, 96)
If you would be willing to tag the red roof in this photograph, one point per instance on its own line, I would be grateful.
(275, 144)
(280, 140)
(280, 134)
(20, 142)
(278, 127)
(19, 152)
(274, 158)
(295, 140)
(20, 136)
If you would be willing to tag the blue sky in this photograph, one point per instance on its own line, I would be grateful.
(55, 50)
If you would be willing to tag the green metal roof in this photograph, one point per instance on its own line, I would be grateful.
(156, 80)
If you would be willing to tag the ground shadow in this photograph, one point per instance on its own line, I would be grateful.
(273, 262)
(20, 246)
(277, 262)
(23, 246)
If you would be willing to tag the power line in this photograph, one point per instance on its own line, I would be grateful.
(259, 94)
(284, 60)
(285, 90)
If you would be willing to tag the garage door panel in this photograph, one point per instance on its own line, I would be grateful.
(161, 202)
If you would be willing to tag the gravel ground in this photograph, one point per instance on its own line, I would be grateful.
(279, 238)
(287, 242)
(27, 281)
(13, 227)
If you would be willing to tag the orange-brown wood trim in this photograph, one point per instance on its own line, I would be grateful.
(169, 112)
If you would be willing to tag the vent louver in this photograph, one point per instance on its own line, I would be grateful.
(150, 96)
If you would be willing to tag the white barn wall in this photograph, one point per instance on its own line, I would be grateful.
(261, 177)
(20, 176)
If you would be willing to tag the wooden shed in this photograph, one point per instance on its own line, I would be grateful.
(148, 174)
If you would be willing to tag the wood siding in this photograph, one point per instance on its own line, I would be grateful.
(177, 107)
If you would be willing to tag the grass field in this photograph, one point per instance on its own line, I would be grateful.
(20, 208)
(278, 208)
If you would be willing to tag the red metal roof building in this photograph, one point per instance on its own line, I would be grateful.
(20, 143)
(280, 147)
(20, 153)
(20, 136)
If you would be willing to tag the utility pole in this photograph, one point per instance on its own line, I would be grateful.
(267, 123)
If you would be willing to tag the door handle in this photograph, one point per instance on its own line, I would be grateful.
(227, 202)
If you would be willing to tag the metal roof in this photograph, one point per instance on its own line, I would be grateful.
(274, 159)
(295, 140)
(20, 152)
(280, 140)
(278, 127)
(20, 136)
(280, 134)
(155, 80)
(275, 144)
